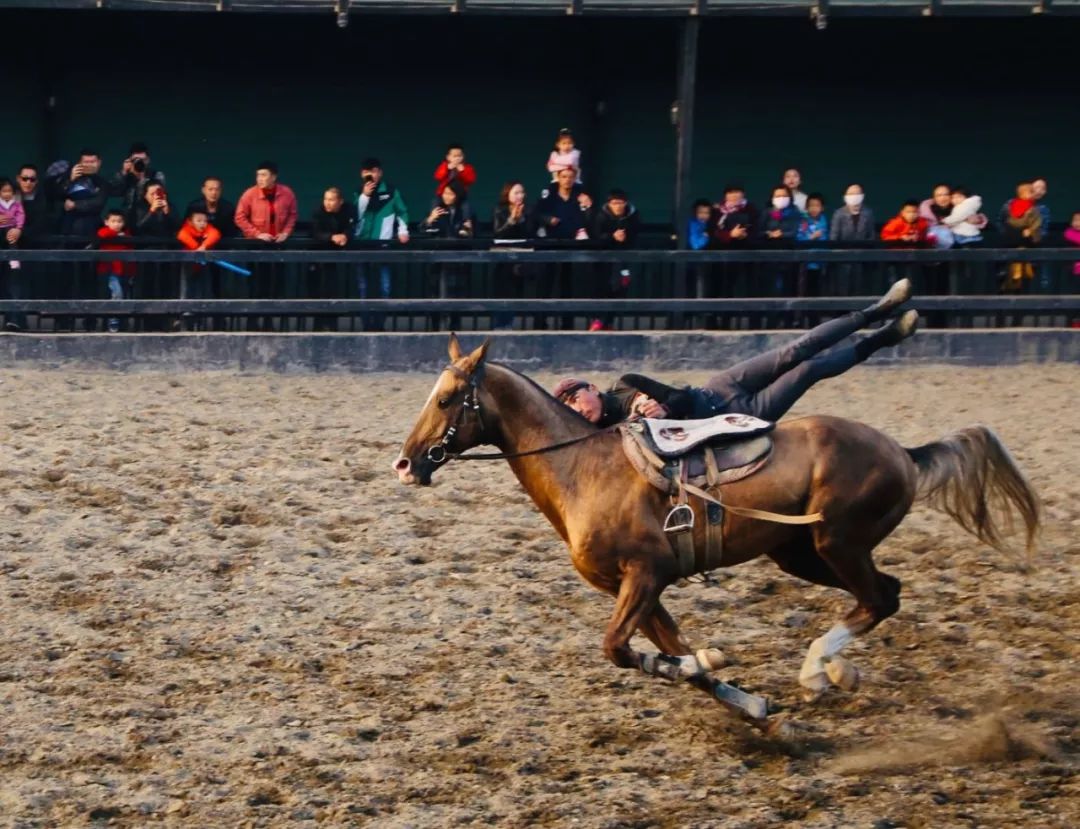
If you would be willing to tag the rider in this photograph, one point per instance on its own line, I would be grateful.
(765, 386)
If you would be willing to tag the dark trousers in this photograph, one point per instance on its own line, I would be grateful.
(15, 284)
(768, 385)
(196, 282)
(610, 282)
(515, 281)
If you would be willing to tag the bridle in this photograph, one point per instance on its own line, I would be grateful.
(438, 453)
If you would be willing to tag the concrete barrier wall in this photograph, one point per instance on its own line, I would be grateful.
(528, 351)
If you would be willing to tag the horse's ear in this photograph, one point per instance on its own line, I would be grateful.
(454, 348)
(478, 356)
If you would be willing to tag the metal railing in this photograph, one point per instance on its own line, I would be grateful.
(623, 8)
(476, 286)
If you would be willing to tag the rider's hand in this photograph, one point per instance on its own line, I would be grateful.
(647, 407)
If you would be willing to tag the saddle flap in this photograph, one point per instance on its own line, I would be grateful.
(724, 456)
(673, 438)
(707, 466)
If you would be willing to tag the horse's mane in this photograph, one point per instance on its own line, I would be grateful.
(557, 406)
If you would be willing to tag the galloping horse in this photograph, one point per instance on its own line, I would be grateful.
(861, 481)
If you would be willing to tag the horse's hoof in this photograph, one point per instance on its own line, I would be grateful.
(711, 659)
(786, 730)
(814, 687)
(842, 673)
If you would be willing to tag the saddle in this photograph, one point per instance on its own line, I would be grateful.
(684, 458)
(703, 453)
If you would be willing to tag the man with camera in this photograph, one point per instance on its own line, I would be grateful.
(134, 177)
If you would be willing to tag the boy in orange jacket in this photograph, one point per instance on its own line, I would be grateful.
(196, 234)
(908, 226)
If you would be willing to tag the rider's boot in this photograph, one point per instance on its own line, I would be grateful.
(892, 334)
(897, 295)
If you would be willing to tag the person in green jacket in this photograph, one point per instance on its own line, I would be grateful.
(381, 215)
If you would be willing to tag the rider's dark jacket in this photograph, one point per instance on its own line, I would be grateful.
(686, 403)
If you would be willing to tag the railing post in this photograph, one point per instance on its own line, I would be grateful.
(683, 116)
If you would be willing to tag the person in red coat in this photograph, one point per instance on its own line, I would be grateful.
(907, 226)
(118, 273)
(454, 168)
(267, 212)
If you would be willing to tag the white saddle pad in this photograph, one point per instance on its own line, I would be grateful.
(673, 437)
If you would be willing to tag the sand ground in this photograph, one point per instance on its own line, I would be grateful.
(220, 609)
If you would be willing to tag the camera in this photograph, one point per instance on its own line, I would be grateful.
(138, 165)
(368, 178)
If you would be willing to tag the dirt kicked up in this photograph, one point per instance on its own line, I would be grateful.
(220, 609)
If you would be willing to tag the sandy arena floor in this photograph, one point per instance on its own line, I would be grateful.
(220, 609)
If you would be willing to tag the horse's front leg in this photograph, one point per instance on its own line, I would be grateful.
(663, 631)
(638, 606)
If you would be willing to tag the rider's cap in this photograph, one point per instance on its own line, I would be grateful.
(567, 387)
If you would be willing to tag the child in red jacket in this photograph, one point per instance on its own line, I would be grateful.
(120, 274)
(908, 226)
(454, 168)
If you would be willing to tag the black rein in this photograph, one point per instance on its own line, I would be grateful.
(472, 401)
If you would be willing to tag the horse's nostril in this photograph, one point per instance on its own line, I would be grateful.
(402, 465)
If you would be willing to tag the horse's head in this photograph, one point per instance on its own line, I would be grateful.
(450, 420)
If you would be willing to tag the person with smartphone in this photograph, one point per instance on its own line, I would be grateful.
(381, 216)
(84, 195)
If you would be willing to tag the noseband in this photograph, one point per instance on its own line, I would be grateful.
(437, 454)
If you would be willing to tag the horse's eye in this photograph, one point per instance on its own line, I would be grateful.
(444, 402)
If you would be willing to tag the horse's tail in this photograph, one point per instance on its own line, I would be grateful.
(971, 476)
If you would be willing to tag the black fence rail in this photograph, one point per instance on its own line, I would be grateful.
(526, 286)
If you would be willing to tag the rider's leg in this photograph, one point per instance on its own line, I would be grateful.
(774, 401)
(755, 374)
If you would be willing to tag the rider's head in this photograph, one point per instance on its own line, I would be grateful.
(581, 396)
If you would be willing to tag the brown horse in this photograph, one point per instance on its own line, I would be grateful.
(860, 480)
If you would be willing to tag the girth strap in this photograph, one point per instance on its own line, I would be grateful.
(759, 514)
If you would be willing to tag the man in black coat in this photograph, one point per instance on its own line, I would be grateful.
(765, 386)
(219, 211)
(615, 226)
(84, 192)
(134, 177)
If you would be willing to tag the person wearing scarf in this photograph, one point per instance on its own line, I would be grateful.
(737, 219)
(1020, 224)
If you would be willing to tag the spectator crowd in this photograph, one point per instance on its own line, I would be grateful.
(77, 201)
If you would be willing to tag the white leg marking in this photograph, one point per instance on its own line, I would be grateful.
(812, 676)
(670, 667)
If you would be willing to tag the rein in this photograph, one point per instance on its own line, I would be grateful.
(438, 454)
(500, 456)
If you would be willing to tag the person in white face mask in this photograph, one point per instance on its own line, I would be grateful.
(854, 222)
(779, 226)
(781, 220)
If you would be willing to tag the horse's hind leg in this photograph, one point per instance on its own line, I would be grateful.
(878, 597)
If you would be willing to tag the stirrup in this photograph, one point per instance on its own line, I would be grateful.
(679, 519)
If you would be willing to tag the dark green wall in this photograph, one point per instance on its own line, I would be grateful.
(894, 104)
